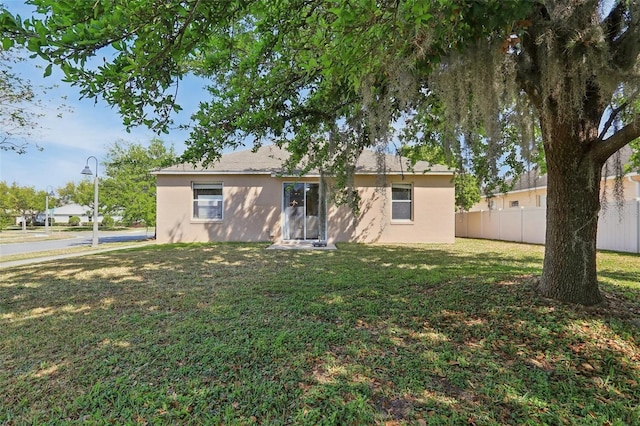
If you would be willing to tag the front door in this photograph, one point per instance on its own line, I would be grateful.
(301, 212)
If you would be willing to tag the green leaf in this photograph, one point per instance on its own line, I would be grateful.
(7, 43)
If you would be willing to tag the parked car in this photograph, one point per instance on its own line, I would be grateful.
(40, 218)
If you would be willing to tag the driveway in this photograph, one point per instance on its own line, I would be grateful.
(76, 239)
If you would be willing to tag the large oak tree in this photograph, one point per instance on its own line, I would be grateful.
(327, 78)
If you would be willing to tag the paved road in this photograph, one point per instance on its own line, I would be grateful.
(75, 239)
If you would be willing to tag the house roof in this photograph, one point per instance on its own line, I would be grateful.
(530, 180)
(533, 179)
(71, 210)
(268, 159)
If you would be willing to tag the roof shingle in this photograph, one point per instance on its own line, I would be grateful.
(268, 159)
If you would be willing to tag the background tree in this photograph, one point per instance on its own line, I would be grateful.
(20, 109)
(24, 201)
(336, 77)
(130, 188)
(80, 193)
(6, 217)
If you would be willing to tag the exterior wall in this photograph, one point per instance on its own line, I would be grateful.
(252, 210)
(531, 197)
(433, 211)
(535, 197)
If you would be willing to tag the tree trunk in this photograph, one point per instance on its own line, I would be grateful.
(573, 203)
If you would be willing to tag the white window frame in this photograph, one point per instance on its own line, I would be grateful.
(212, 201)
(541, 201)
(408, 186)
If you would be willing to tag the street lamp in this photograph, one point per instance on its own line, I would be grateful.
(87, 171)
(49, 193)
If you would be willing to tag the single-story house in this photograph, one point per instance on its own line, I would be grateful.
(530, 190)
(63, 213)
(245, 196)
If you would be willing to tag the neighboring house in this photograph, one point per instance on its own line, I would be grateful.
(63, 213)
(246, 197)
(520, 214)
(530, 190)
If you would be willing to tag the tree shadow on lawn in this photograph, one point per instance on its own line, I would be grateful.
(235, 333)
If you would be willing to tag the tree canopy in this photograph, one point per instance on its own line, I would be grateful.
(25, 201)
(328, 78)
(19, 107)
(129, 188)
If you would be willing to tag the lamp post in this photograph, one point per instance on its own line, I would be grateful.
(49, 193)
(87, 171)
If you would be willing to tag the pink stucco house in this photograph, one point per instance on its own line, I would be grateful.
(246, 197)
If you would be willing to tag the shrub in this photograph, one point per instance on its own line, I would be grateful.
(6, 220)
(108, 221)
(74, 221)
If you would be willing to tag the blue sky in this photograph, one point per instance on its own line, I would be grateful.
(86, 129)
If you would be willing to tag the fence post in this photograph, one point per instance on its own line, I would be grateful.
(638, 225)
(466, 217)
(522, 224)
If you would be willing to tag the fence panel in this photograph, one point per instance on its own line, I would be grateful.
(535, 224)
(511, 224)
(618, 229)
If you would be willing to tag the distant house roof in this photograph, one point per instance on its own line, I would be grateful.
(529, 180)
(71, 210)
(533, 179)
(268, 159)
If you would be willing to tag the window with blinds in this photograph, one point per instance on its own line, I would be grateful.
(207, 201)
(401, 201)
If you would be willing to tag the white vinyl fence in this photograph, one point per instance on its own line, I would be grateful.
(618, 229)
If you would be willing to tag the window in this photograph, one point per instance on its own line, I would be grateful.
(401, 201)
(514, 204)
(207, 201)
(542, 201)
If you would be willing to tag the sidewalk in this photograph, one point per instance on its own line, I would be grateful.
(49, 258)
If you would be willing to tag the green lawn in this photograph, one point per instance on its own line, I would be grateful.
(236, 334)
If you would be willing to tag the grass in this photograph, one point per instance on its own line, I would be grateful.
(9, 237)
(71, 250)
(235, 334)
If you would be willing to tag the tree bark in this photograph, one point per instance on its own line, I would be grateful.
(573, 203)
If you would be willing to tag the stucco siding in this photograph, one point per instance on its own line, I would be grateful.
(252, 210)
(536, 197)
(432, 221)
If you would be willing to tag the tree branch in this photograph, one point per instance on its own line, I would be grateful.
(623, 37)
(614, 114)
(619, 139)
